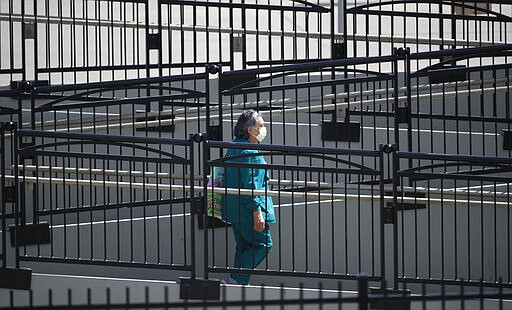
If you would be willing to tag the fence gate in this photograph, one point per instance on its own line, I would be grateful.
(458, 231)
(106, 200)
(243, 35)
(328, 204)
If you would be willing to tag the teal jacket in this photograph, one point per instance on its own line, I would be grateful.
(240, 208)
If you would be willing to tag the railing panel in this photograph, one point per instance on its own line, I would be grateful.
(10, 212)
(326, 225)
(12, 49)
(375, 27)
(455, 223)
(165, 107)
(248, 34)
(462, 104)
(109, 200)
(80, 41)
(311, 104)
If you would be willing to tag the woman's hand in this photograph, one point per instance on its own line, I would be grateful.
(259, 222)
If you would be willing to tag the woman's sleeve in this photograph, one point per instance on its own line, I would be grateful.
(251, 181)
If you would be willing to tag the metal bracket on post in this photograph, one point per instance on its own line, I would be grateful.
(403, 115)
(339, 50)
(197, 203)
(213, 133)
(154, 41)
(202, 289)
(238, 43)
(15, 278)
(401, 52)
(30, 234)
(26, 86)
(29, 30)
(507, 140)
(9, 194)
(399, 300)
(341, 131)
(389, 214)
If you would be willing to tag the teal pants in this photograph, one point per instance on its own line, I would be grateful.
(251, 248)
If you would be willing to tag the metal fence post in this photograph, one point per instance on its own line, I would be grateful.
(362, 289)
(194, 287)
(13, 278)
(396, 180)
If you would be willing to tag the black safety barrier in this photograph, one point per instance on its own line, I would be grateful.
(127, 201)
(328, 225)
(374, 28)
(257, 297)
(106, 200)
(458, 228)
(156, 107)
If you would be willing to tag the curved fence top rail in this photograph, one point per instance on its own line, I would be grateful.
(490, 15)
(119, 83)
(293, 149)
(308, 6)
(483, 51)
(315, 65)
(104, 138)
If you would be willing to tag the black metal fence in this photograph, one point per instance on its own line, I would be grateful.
(130, 201)
(106, 200)
(376, 27)
(458, 229)
(10, 212)
(70, 42)
(309, 104)
(164, 107)
(327, 224)
(258, 297)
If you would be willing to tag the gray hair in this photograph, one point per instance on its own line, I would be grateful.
(247, 119)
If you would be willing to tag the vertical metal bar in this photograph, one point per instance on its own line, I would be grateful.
(362, 289)
(19, 200)
(381, 223)
(396, 181)
(407, 63)
(192, 142)
(395, 98)
(3, 214)
(206, 168)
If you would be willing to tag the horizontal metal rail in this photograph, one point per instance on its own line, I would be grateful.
(339, 107)
(41, 19)
(248, 192)
(312, 185)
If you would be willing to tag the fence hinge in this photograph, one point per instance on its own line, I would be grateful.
(213, 133)
(30, 234)
(238, 43)
(389, 215)
(29, 30)
(402, 115)
(9, 193)
(507, 140)
(25, 86)
(153, 41)
(198, 204)
(339, 51)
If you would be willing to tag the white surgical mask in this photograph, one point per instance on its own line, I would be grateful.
(262, 134)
